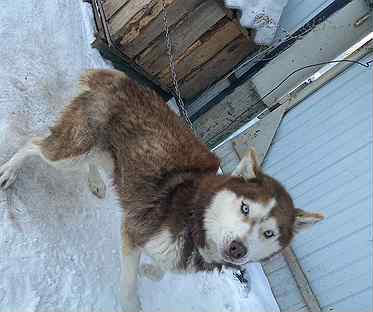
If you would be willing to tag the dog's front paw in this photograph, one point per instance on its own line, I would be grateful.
(8, 174)
(152, 272)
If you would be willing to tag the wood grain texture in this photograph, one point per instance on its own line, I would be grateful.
(232, 112)
(224, 61)
(139, 36)
(139, 25)
(301, 280)
(205, 48)
(113, 6)
(185, 32)
(131, 12)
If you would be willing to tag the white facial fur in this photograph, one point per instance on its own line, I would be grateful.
(224, 222)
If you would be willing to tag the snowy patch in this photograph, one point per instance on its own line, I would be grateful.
(59, 245)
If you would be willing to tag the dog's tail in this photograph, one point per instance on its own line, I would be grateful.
(100, 87)
(84, 121)
(102, 80)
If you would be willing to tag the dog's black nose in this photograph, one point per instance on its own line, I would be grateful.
(237, 250)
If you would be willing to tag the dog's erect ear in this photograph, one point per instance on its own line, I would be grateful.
(304, 219)
(248, 166)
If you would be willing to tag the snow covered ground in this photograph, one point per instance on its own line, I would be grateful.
(59, 245)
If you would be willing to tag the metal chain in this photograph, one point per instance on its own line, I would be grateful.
(178, 98)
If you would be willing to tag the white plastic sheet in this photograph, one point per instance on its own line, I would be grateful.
(262, 15)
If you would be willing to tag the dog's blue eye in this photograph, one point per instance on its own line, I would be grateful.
(245, 209)
(268, 234)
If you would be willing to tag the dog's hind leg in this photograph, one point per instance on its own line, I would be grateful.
(75, 142)
(9, 170)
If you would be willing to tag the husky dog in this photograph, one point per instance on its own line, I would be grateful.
(176, 209)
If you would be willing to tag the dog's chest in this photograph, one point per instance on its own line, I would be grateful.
(166, 250)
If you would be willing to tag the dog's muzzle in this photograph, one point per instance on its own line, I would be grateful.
(236, 250)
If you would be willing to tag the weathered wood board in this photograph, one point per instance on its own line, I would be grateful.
(207, 40)
(113, 6)
(202, 77)
(139, 37)
(184, 34)
(202, 50)
(132, 12)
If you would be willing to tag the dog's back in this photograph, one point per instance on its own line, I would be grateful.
(146, 138)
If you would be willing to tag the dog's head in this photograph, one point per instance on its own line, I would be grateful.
(251, 217)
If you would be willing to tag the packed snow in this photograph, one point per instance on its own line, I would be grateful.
(59, 245)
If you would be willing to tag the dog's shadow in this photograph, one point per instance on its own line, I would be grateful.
(44, 195)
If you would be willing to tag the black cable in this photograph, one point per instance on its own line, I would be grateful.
(366, 65)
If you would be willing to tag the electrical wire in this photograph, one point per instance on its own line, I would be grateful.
(366, 65)
(266, 51)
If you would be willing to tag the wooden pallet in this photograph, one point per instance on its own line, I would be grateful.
(207, 39)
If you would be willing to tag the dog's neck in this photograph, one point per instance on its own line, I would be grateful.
(187, 206)
(189, 197)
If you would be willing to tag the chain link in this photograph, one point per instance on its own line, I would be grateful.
(178, 98)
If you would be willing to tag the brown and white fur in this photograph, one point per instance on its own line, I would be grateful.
(176, 209)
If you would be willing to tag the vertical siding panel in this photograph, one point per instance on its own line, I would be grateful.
(323, 154)
(358, 302)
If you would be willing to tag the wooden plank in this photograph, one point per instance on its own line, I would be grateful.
(185, 32)
(138, 38)
(202, 50)
(121, 62)
(131, 11)
(231, 113)
(139, 24)
(112, 6)
(301, 280)
(288, 301)
(275, 263)
(202, 77)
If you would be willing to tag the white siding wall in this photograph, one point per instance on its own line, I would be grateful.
(322, 153)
